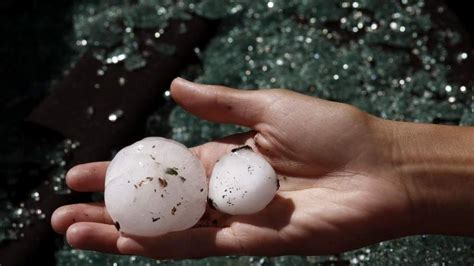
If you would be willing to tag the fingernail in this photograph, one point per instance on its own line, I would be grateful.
(73, 173)
(180, 79)
(128, 245)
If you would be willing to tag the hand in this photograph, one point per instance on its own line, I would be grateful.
(342, 185)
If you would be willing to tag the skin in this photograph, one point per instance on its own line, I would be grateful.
(348, 179)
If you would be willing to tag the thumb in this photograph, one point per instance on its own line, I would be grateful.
(220, 104)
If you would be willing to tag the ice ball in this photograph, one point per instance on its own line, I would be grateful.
(242, 182)
(155, 186)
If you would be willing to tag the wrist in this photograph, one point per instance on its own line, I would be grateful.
(436, 165)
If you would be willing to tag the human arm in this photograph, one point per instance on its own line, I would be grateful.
(348, 180)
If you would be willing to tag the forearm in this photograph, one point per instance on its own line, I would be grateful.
(437, 164)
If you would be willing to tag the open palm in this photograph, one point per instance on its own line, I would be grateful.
(338, 190)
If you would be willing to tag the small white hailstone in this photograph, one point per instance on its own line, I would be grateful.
(242, 182)
(155, 186)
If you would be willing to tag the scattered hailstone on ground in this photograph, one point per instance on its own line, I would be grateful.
(155, 186)
(242, 182)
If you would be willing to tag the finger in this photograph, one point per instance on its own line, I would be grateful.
(191, 243)
(211, 151)
(220, 104)
(65, 216)
(93, 236)
(89, 177)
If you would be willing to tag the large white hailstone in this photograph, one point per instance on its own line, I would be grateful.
(242, 182)
(155, 186)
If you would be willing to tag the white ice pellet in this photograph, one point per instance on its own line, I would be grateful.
(242, 182)
(155, 186)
